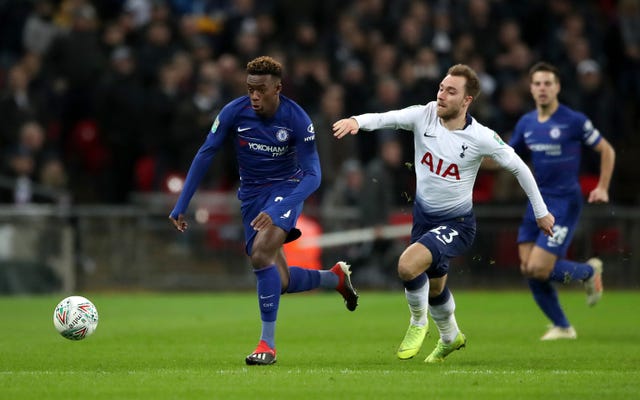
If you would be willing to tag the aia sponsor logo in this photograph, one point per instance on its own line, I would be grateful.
(439, 167)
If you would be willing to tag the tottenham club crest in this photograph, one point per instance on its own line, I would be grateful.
(282, 135)
(464, 148)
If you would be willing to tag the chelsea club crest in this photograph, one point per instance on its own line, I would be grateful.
(282, 135)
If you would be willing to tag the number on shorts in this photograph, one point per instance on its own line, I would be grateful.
(444, 234)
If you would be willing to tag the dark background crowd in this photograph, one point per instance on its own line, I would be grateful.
(104, 98)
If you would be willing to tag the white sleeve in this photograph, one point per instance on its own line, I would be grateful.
(396, 119)
(528, 183)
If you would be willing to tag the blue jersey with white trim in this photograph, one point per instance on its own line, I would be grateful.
(555, 147)
(269, 150)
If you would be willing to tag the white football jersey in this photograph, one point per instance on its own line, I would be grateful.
(446, 162)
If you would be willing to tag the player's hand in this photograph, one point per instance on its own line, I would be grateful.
(546, 224)
(598, 195)
(262, 221)
(344, 127)
(179, 222)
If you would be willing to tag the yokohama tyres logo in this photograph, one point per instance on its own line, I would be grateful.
(265, 148)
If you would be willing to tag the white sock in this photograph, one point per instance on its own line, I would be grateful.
(418, 301)
(445, 320)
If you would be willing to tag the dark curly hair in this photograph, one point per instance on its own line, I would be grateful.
(264, 65)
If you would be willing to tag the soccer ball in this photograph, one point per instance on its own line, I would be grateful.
(75, 318)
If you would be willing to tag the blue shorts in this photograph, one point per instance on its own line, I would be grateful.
(566, 210)
(251, 206)
(445, 239)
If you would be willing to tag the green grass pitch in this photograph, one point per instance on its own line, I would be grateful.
(192, 346)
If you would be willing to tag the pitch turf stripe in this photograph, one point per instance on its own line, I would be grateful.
(528, 371)
(322, 371)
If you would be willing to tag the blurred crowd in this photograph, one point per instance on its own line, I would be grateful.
(103, 98)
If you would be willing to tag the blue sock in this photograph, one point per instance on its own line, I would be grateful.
(441, 298)
(566, 271)
(303, 279)
(416, 283)
(269, 287)
(328, 280)
(547, 298)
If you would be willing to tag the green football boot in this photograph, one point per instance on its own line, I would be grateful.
(412, 341)
(442, 350)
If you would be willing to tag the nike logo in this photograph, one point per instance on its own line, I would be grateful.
(427, 135)
(243, 129)
(266, 297)
(286, 215)
(528, 133)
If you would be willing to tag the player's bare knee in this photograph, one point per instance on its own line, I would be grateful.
(261, 259)
(525, 271)
(540, 275)
(535, 271)
(406, 271)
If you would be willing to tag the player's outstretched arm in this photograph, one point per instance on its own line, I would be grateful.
(521, 171)
(344, 127)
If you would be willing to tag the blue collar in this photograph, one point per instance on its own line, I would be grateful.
(468, 121)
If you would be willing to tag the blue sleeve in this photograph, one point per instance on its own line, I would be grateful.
(202, 161)
(517, 138)
(589, 135)
(309, 162)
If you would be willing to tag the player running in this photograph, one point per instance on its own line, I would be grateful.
(279, 168)
(554, 135)
(449, 147)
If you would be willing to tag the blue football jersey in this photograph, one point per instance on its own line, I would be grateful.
(555, 147)
(269, 150)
